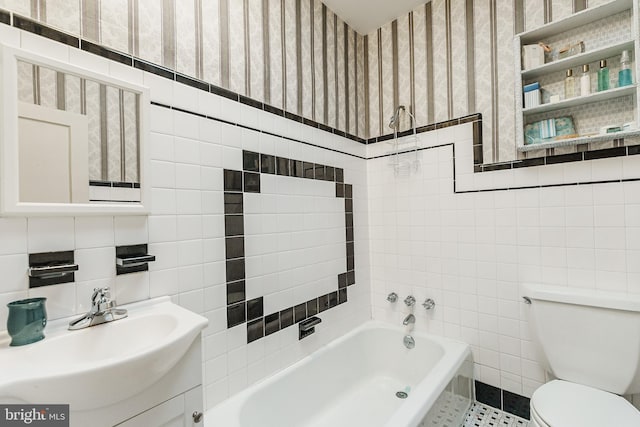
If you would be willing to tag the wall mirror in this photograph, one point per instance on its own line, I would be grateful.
(72, 142)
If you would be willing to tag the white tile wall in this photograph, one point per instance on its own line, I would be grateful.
(467, 251)
(471, 251)
(186, 231)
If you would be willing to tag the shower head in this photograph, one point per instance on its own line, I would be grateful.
(393, 122)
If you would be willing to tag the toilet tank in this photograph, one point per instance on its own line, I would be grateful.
(587, 337)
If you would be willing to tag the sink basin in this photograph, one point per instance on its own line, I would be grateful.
(98, 366)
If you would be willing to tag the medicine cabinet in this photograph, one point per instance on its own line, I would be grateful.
(602, 32)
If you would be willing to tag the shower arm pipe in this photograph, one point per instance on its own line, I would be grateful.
(415, 133)
(394, 123)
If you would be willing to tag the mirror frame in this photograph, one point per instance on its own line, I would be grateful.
(10, 204)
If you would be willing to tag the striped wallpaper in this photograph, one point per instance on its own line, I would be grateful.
(445, 59)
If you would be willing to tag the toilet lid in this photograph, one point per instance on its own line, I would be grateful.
(561, 403)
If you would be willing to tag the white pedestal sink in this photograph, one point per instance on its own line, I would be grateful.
(101, 365)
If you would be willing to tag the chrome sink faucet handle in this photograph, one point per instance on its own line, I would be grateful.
(410, 301)
(101, 300)
(392, 297)
(103, 310)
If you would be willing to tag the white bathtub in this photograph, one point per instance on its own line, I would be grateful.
(352, 382)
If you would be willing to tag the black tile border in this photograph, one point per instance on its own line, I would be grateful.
(116, 184)
(216, 119)
(107, 53)
(193, 82)
(154, 69)
(502, 399)
(35, 27)
(239, 309)
(5, 17)
(516, 404)
(478, 168)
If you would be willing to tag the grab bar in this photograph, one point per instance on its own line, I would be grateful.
(135, 260)
(49, 271)
(132, 259)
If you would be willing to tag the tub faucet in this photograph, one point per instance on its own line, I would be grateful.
(102, 311)
(409, 320)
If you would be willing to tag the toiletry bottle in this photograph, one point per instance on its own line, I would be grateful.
(569, 85)
(585, 81)
(603, 76)
(624, 75)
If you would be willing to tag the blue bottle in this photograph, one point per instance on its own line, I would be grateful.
(624, 75)
(603, 76)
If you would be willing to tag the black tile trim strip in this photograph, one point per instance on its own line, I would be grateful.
(5, 17)
(44, 30)
(154, 69)
(236, 184)
(169, 107)
(117, 184)
(563, 158)
(107, 53)
(631, 150)
(113, 201)
(431, 147)
(216, 90)
(508, 166)
(190, 81)
(502, 399)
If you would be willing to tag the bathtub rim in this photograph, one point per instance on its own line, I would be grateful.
(414, 410)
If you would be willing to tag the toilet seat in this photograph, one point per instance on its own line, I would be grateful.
(564, 404)
(536, 421)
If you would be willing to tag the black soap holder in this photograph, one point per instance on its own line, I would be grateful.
(132, 258)
(307, 327)
(51, 268)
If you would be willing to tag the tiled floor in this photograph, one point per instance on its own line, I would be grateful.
(480, 415)
(448, 411)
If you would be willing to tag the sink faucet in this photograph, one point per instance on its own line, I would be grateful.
(409, 320)
(102, 311)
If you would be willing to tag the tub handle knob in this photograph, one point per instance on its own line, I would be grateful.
(197, 416)
(392, 297)
(428, 304)
(410, 301)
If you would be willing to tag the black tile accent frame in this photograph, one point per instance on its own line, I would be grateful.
(503, 400)
(236, 183)
(488, 394)
(44, 30)
(5, 17)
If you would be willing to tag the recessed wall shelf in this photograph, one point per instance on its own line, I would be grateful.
(606, 31)
(578, 60)
(581, 100)
(574, 21)
(579, 140)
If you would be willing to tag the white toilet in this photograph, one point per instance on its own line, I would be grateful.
(590, 341)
